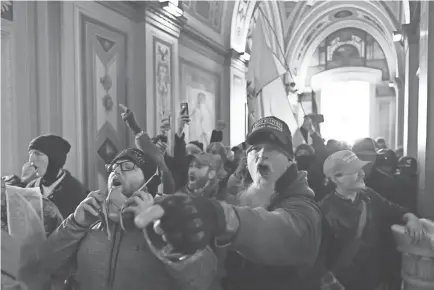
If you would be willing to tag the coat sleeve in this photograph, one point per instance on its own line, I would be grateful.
(60, 247)
(287, 236)
(197, 272)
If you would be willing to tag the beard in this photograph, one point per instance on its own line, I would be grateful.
(257, 195)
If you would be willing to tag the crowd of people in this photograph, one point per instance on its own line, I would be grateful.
(261, 215)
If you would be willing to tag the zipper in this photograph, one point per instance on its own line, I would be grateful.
(112, 252)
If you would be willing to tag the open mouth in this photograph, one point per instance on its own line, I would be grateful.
(116, 182)
(263, 169)
(192, 178)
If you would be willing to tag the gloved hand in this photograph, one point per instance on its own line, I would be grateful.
(189, 223)
(129, 118)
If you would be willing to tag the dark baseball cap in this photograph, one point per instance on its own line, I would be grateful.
(365, 146)
(273, 130)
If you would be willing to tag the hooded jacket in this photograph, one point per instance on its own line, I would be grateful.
(277, 245)
(123, 262)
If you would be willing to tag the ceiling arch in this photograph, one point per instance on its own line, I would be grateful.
(316, 23)
(242, 15)
(389, 52)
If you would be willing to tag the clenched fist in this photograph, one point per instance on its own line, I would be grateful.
(88, 211)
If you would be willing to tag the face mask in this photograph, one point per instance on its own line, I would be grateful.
(304, 161)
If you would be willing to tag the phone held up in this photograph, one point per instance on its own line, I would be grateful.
(184, 109)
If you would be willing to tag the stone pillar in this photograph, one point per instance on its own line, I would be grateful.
(411, 96)
(161, 32)
(238, 123)
(425, 130)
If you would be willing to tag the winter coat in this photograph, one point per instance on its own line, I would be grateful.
(276, 245)
(123, 262)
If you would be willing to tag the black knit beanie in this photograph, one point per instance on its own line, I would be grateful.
(56, 148)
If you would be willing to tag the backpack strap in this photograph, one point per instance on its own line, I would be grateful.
(350, 250)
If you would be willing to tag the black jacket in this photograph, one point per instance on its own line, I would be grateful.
(67, 195)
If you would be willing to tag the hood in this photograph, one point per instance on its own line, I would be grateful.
(299, 187)
(294, 182)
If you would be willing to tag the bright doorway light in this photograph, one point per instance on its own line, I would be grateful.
(345, 106)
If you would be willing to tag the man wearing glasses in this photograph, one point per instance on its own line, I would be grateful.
(105, 247)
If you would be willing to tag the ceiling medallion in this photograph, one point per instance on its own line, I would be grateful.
(343, 14)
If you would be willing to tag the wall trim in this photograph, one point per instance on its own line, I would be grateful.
(125, 8)
(198, 36)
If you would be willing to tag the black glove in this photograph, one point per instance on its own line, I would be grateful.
(129, 118)
(191, 223)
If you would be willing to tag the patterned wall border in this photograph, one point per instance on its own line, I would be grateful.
(155, 42)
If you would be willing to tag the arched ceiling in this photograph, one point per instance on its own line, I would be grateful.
(305, 24)
(312, 24)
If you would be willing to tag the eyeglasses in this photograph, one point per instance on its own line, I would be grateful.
(124, 165)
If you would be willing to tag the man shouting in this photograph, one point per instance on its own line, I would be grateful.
(107, 250)
(276, 228)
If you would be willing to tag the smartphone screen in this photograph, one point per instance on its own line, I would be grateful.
(184, 109)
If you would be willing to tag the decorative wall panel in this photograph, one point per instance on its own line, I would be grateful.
(104, 88)
(201, 89)
(7, 11)
(163, 63)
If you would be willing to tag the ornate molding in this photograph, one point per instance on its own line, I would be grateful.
(390, 52)
(153, 14)
(243, 11)
(126, 8)
(203, 39)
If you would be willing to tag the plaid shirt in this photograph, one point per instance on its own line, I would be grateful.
(329, 282)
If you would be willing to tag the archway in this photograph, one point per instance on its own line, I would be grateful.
(347, 94)
(243, 21)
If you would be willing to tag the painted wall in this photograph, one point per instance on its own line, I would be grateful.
(68, 66)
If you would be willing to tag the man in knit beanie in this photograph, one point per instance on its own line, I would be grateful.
(47, 154)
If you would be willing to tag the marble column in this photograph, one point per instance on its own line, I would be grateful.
(411, 96)
(425, 130)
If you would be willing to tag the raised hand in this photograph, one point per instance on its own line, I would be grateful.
(165, 123)
(129, 118)
(183, 120)
(88, 211)
(188, 224)
(308, 125)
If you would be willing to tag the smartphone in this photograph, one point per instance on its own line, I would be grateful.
(184, 109)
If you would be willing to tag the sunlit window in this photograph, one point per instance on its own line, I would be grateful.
(345, 106)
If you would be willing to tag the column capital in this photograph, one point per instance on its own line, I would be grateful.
(152, 13)
(238, 60)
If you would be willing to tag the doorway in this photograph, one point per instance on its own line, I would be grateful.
(346, 109)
